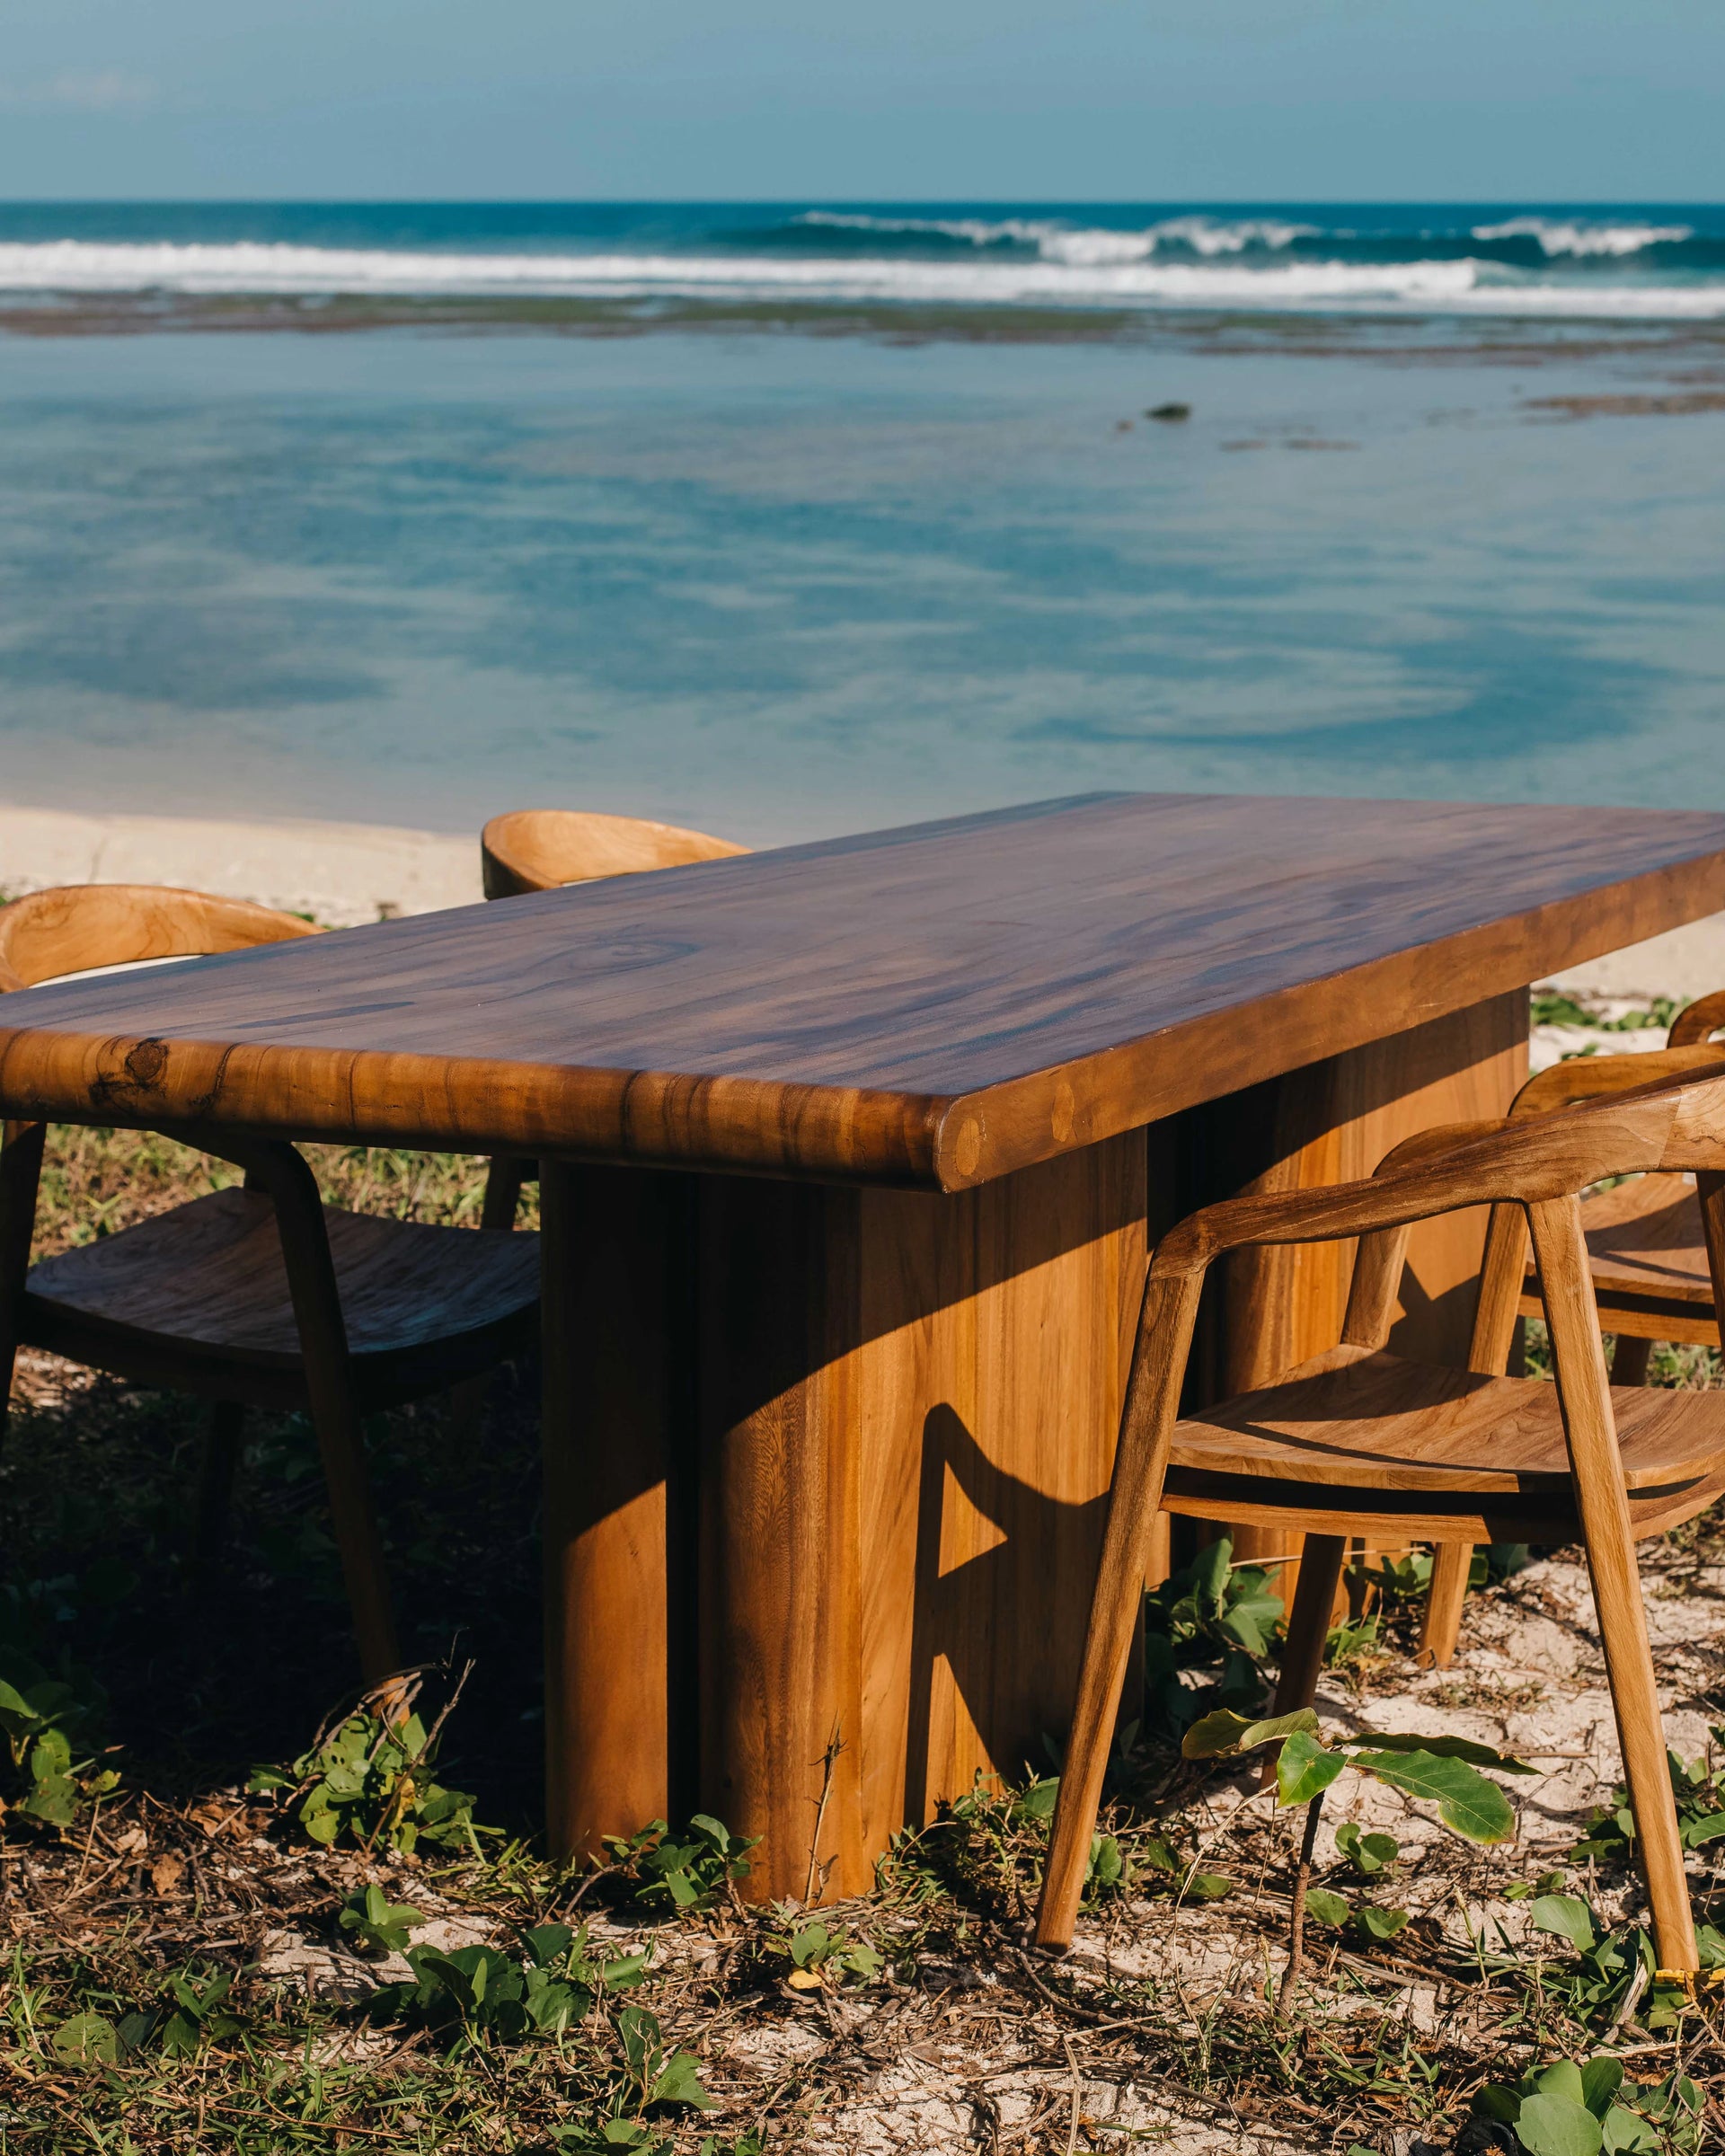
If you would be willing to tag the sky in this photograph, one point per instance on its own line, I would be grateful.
(914, 100)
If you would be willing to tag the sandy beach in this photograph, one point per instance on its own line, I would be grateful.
(340, 874)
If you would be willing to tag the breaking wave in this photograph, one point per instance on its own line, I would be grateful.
(1619, 264)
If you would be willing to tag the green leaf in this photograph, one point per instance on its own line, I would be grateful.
(1367, 1853)
(1627, 2132)
(1379, 1924)
(1558, 2125)
(1442, 1748)
(1565, 1917)
(1038, 1802)
(1241, 1622)
(1303, 1769)
(547, 1943)
(679, 2082)
(87, 2039)
(1601, 2079)
(1706, 1829)
(1209, 1575)
(1467, 1804)
(1214, 1736)
(1504, 2105)
(1326, 1908)
(1208, 1886)
(626, 2134)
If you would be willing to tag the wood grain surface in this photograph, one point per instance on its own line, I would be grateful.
(931, 1006)
(822, 1464)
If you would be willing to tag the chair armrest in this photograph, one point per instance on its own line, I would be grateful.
(1507, 1164)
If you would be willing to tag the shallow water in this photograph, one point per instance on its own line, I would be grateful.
(785, 585)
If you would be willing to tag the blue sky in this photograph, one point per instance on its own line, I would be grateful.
(1484, 100)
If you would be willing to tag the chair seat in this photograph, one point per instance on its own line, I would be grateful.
(1647, 1253)
(423, 1305)
(1359, 1434)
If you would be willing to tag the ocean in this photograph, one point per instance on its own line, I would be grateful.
(785, 519)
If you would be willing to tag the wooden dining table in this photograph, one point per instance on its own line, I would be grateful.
(850, 1155)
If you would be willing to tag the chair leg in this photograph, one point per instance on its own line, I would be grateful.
(329, 1387)
(215, 1472)
(1308, 1626)
(1308, 1621)
(1451, 1563)
(1628, 1360)
(503, 1181)
(1641, 1731)
(340, 1442)
(1602, 1505)
(1169, 1313)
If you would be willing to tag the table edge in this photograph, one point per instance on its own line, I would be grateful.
(945, 1142)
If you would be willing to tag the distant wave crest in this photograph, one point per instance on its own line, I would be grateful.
(1226, 276)
(1568, 235)
(1082, 246)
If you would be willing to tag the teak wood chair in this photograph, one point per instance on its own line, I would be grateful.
(1357, 1440)
(253, 1297)
(545, 849)
(1647, 1251)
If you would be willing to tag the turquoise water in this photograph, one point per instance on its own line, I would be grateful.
(785, 585)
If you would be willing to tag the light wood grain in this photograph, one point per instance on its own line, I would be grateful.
(1359, 1435)
(543, 849)
(76, 926)
(1598, 1455)
(908, 1408)
(619, 1377)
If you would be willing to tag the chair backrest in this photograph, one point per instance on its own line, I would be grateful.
(1594, 1077)
(1698, 1022)
(82, 925)
(541, 849)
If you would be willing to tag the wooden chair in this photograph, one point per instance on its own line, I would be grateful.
(543, 849)
(259, 1297)
(1646, 1250)
(1358, 1441)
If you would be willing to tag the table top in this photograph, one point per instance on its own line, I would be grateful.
(930, 1006)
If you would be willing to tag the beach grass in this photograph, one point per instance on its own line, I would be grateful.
(188, 1913)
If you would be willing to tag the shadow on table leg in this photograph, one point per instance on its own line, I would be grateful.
(993, 1556)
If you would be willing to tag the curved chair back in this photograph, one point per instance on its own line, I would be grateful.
(1699, 1022)
(82, 925)
(541, 849)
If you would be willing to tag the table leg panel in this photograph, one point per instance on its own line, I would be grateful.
(910, 1412)
(618, 1357)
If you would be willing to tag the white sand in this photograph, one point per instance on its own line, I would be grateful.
(346, 873)
(342, 874)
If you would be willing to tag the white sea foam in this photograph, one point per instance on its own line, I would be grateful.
(1083, 245)
(1468, 286)
(1565, 236)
